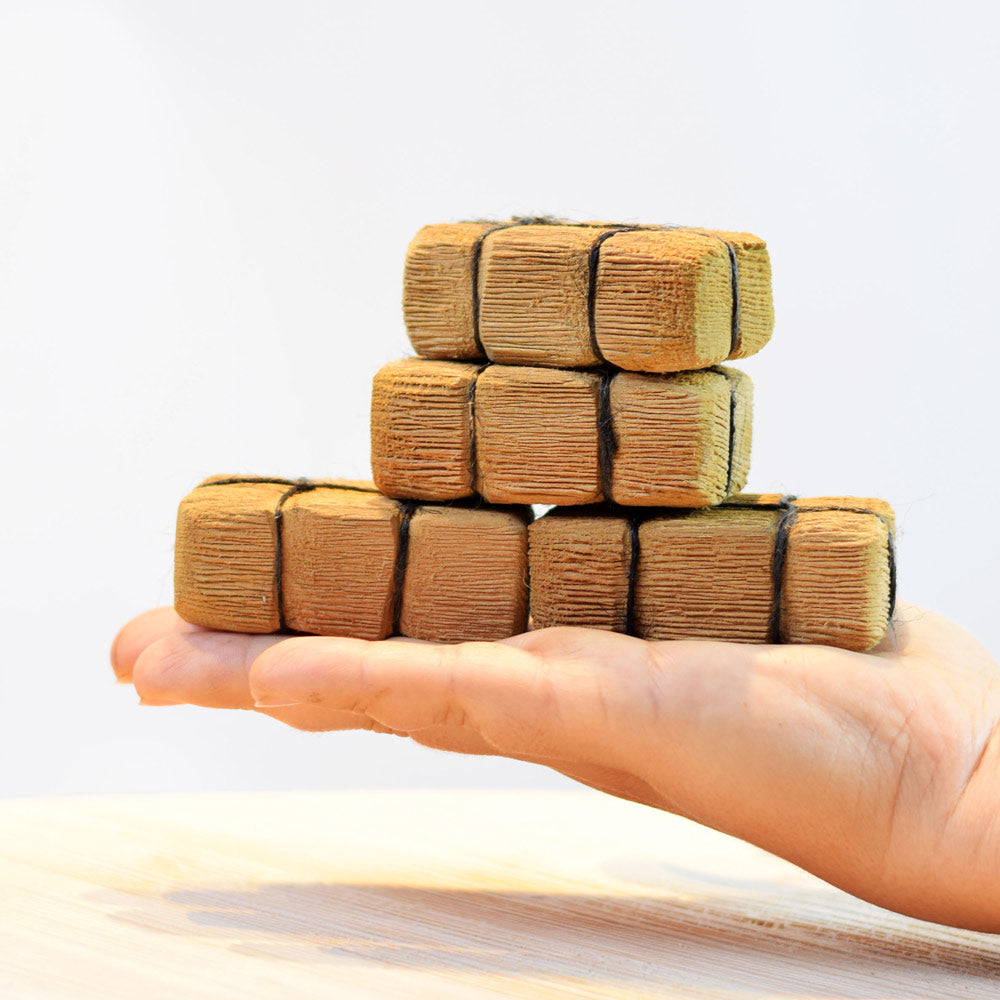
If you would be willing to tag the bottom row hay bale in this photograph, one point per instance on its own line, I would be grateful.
(712, 574)
(331, 557)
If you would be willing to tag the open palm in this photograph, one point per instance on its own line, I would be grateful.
(878, 772)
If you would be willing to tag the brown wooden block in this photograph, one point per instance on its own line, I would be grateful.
(682, 440)
(421, 427)
(450, 549)
(438, 292)
(548, 435)
(230, 528)
(710, 574)
(704, 578)
(541, 292)
(664, 299)
(537, 435)
(579, 570)
(333, 557)
(533, 296)
(339, 557)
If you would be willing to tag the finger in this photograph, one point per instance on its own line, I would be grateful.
(141, 632)
(199, 668)
(457, 739)
(502, 693)
(316, 719)
(311, 719)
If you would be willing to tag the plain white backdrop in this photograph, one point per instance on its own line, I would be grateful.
(204, 208)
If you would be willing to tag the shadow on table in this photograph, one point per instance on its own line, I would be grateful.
(703, 940)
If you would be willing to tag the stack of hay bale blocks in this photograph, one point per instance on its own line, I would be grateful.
(568, 364)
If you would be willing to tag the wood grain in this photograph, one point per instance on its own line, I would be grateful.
(445, 894)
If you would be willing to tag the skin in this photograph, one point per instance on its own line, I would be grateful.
(878, 772)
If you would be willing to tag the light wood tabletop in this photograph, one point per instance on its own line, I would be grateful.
(436, 894)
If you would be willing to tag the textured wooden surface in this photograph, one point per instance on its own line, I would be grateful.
(662, 298)
(437, 894)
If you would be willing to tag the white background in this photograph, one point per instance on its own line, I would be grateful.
(204, 208)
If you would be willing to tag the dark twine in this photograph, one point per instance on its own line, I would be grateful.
(785, 522)
(633, 572)
(732, 428)
(407, 509)
(607, 440)
(473, 447)
(477, 252)
(735, 337)
(295, 486)
(595, 259)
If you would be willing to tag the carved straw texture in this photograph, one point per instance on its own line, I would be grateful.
(708, 574)
(466, 576)
(342, 571)
(662, 298)
(448, 430)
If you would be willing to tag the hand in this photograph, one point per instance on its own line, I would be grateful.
(879, 772)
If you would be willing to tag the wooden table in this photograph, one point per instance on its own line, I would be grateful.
(439, 895)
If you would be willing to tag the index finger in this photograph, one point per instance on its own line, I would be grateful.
(140, 633)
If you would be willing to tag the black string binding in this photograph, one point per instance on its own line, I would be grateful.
(789, 513)
(735, 334)
(786, 505)
(275, 481)
(301, 486)
(891, 546)
(407, 509)
(732, 428)
(592, 265)
(607, 440)
(473, 449)
(633, 573)
(477, 252)
(781, 543)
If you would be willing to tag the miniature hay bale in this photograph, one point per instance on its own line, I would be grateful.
(449, 430)
(575, 295)
(335, 558)
(710, 574)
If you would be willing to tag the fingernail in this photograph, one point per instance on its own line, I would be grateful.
(274, 701)
(158, 701)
